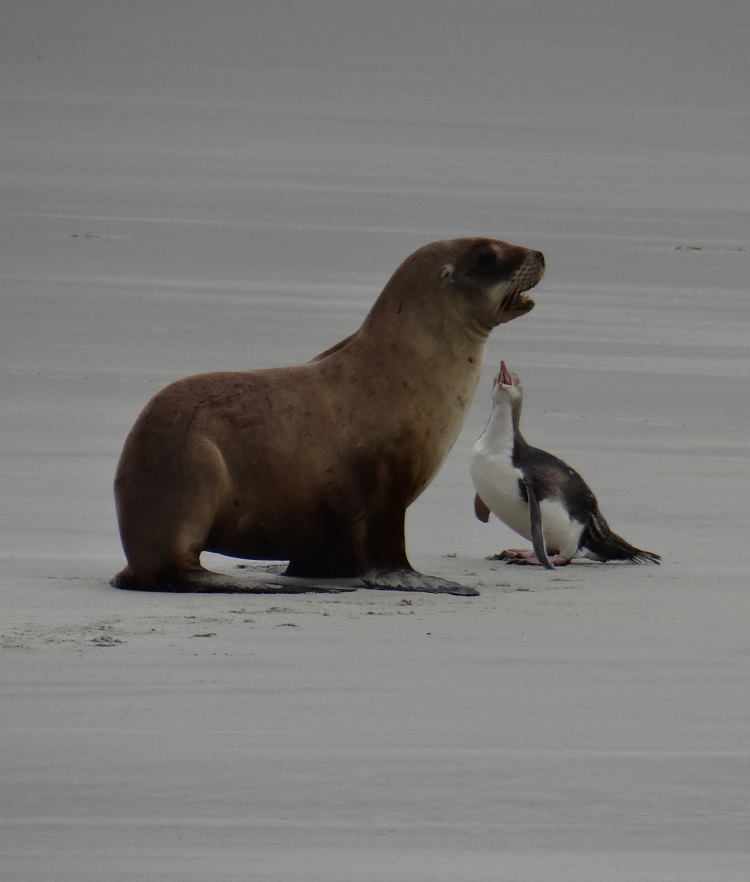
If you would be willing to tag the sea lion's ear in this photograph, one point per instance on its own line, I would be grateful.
(446, 272)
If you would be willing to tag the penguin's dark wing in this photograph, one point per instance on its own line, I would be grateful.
(480, 509)
(553, 478)
(535, 521)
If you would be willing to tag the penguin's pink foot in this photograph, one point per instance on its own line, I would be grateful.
(557, 560)
(515, 555)
(526, 557)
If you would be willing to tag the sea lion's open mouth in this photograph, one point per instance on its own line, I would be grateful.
(517, 301)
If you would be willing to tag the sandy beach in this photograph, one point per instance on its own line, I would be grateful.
(191, 187)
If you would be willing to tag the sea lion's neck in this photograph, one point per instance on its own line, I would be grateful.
(424, 320)
(411, 385)
(434, 371)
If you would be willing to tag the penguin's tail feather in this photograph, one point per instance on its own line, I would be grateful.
(599, 539)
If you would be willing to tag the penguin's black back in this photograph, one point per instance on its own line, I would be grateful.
(550, 477)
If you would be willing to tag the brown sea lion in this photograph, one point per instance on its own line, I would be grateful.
(317, 463)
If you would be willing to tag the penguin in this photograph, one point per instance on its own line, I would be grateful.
(538, 495)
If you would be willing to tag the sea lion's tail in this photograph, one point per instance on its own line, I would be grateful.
(607, 545)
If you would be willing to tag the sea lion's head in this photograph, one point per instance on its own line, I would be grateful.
(455, 285)
(492, 277)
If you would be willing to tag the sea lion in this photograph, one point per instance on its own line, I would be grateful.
(317, 463)
(538, 495)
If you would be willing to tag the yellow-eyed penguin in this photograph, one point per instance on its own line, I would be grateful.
(538, 495)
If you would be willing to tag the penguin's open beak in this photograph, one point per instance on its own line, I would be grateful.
(504, 378)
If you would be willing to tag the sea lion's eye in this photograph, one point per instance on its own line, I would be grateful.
(484, 262)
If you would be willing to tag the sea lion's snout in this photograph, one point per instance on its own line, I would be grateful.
(525, 276)
(529, 271)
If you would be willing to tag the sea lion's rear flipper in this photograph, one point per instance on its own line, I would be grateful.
(480, 509)
(535, 521)
(208, 582)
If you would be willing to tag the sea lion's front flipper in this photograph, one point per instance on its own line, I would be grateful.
(535, 520)
(403, 579)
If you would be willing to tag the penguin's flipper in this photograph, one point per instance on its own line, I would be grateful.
(480, 509)
(535, 520)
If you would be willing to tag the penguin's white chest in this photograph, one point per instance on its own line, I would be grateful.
(496, 480)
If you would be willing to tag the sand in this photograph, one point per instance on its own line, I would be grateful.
(192, 186)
